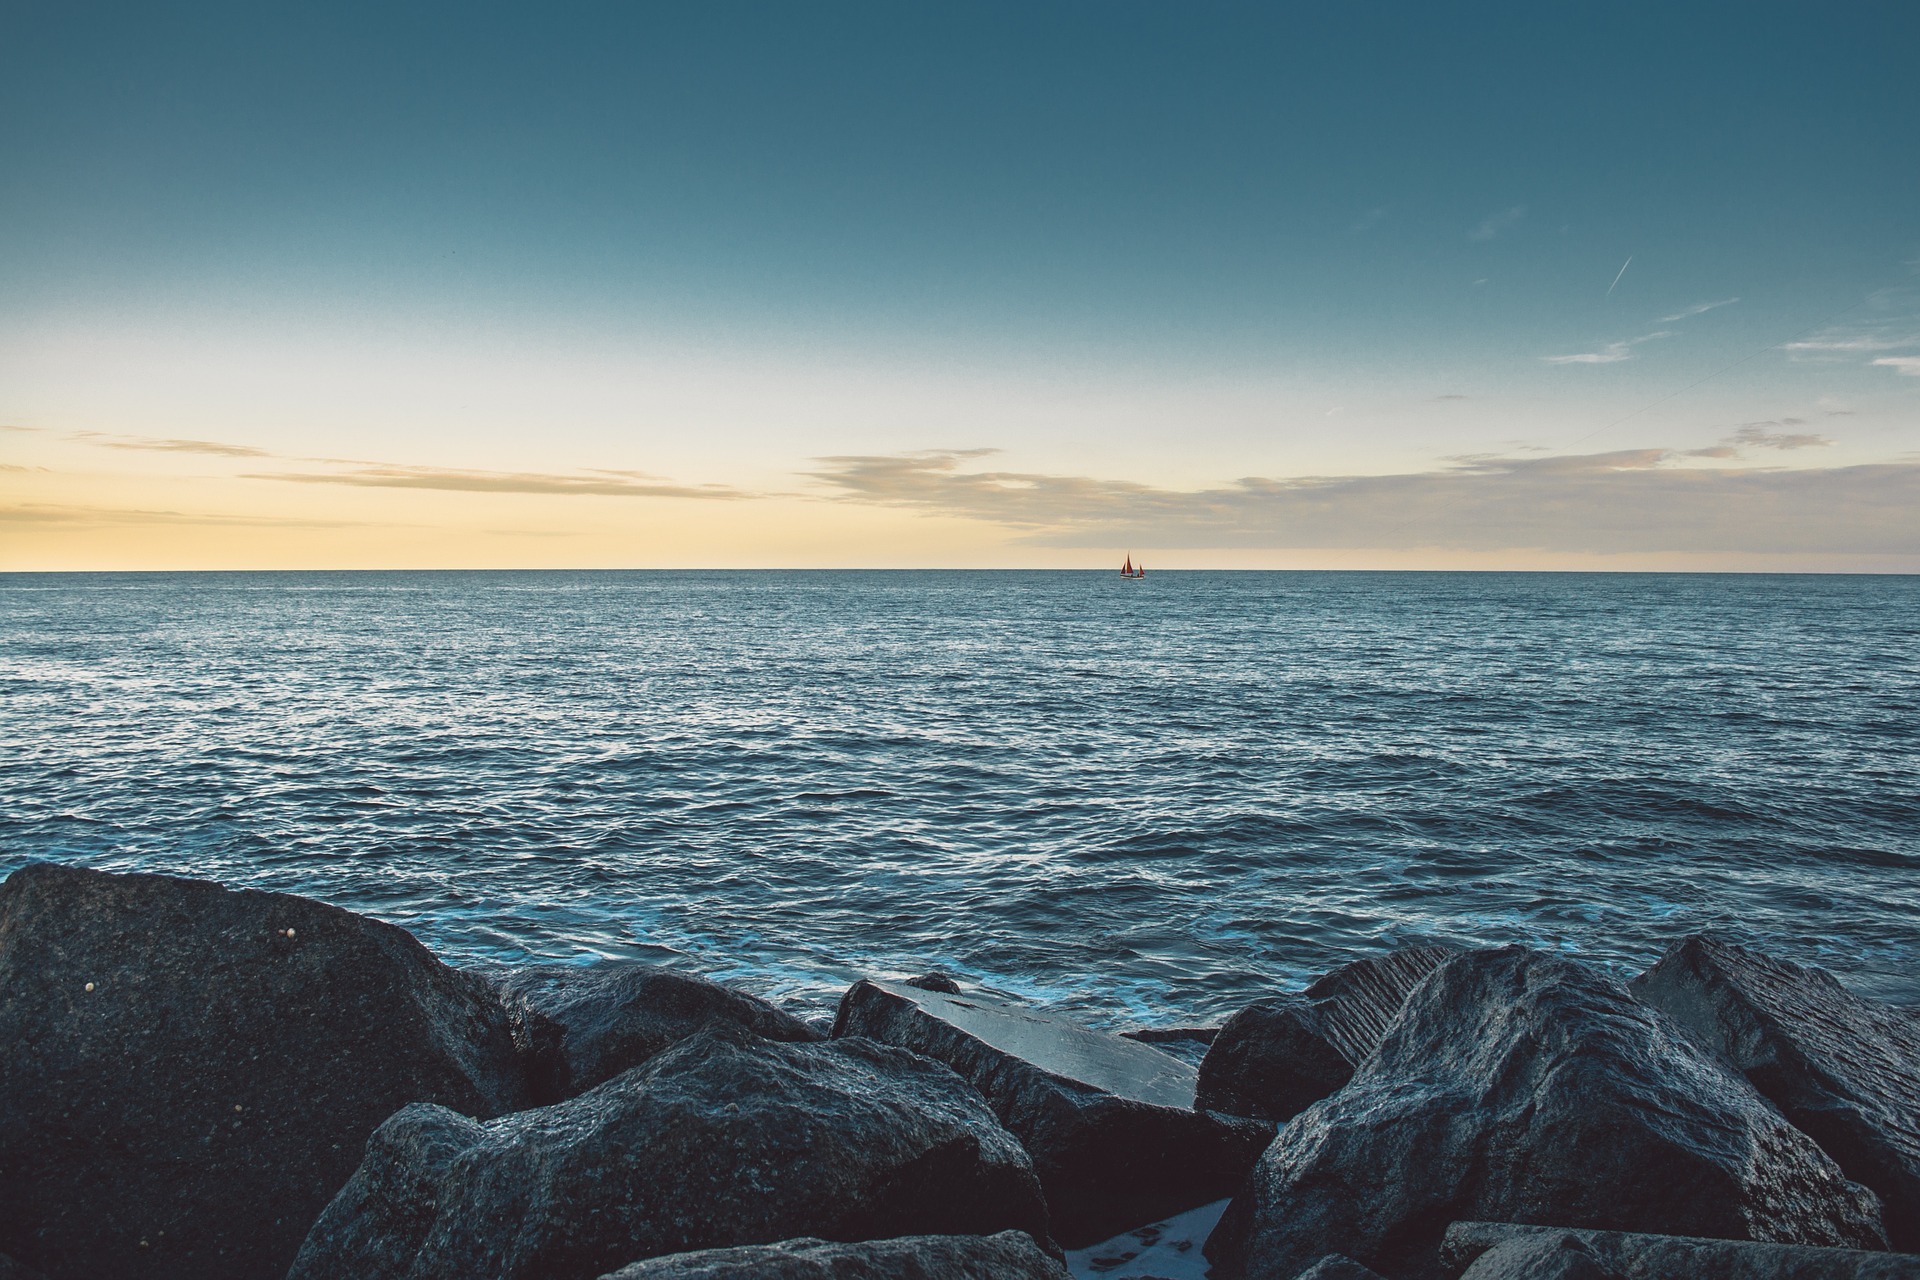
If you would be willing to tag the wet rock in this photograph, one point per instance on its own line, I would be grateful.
(1277, 1057)
(1522, 1086)
(1845, 1070)
(723, 1140)
(945, 983)
(585, 1024)
(1110, 1122)
(1337, 1266)
(1656, 1257)
(1010, 1255)
(1189, 1044)
(11, 1270)
(190, 1073)
(1552, 1255)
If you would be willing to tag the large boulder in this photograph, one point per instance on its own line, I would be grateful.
(1845, 1070)
(1655, 1257)
(190, 1073)
(1010, 1255)
(1110, 1122)
(1279, 1056)
(585, 1024)
(725, 1139)
(1527, 1087)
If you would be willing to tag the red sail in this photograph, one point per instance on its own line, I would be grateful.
(1126, 570)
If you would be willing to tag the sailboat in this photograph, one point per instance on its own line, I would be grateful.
(1127, 570)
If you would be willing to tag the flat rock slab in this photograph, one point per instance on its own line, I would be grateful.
(1010, 1255)
(725, 1139)
(1522, 1086)
(190, 1073)
(1655, 1257)
(585, 1024)
(1845, 1070)
(1277, 1057)
(1110, 1122)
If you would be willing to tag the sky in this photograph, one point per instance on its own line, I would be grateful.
(1625, 286)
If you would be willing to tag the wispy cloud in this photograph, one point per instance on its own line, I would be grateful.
(1905, 366)
(459, 480)
(366, 474)
(1612, 353)
(1763, 435)
(149, 444)
(1698, 308)
(1497, 224)
(39, 513)
(1621, 501)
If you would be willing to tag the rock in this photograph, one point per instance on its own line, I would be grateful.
(1551, 1255)
(191, 1072)
(1656, 1257)
(1277, 1057)
(945, 983)
(1010, 1255)
(1189, 1044)
(1110, 1122)
(1523, 1086)
(725, 1139)
(11, 1270)
(1337, 1266)
(585, 1024)
(1845, 1070)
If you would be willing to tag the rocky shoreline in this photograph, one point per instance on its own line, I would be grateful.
(237, 1085)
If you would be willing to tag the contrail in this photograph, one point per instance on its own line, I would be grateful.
(1623, 271)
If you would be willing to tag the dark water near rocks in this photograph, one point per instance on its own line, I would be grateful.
(1148, 801)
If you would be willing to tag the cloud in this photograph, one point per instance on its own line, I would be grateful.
(1697, 308)
(1451, 395)
(1612, 353)
(1755, 435)
(1905, 366)
(360, 473)
(1622, 501)
(1858, 342)
(38, 513)
(598, 483)
(148, 444)
(1495, 224)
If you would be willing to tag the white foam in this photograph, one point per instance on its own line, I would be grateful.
(1168, 1250)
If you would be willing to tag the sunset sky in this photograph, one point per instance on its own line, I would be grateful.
(398, 285)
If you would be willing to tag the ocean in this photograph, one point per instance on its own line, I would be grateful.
(1145, 802)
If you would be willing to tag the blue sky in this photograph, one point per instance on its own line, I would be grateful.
(415, 274)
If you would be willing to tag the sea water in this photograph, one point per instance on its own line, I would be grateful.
(1144, 801)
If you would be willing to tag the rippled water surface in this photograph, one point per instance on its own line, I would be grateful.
(1148, 801)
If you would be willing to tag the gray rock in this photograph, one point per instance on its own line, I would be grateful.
(585, 1024)
(1845, 1070)
(1277, 1057)
(1522, 1086)
(1110, 1122)
(944, 983)
(1010, 1255)
(723, 1140)
(1551, 1255)
(190, 1073)
(1337, 1266)
(1656, 1257)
